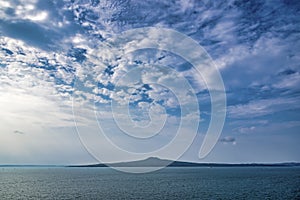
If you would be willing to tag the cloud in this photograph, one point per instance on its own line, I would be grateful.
(42, 24)
(246, 129)
(45, 44)
(19, 132)
(262, 107)
(30, 32)
(227, 140)
(290, 81)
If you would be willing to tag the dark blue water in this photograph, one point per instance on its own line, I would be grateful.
(169, 183)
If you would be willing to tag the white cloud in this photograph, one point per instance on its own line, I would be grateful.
(291, 82)
(246, 129)
(36, 72)
(262, 107)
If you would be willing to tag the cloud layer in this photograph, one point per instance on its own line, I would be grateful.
(47, 48)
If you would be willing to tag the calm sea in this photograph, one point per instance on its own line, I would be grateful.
(169, 183)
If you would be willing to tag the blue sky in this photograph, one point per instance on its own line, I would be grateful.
(58, 58)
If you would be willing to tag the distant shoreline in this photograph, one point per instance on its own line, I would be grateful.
(156, 162)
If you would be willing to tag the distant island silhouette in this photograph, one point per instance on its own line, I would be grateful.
(157, 162)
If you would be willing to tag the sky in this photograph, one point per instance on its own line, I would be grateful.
(86, 81)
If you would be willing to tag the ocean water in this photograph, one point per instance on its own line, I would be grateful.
(169, 183)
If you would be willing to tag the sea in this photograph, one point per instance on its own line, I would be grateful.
(169, 183)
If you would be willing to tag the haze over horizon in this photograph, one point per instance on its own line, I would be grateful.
(53, 64)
